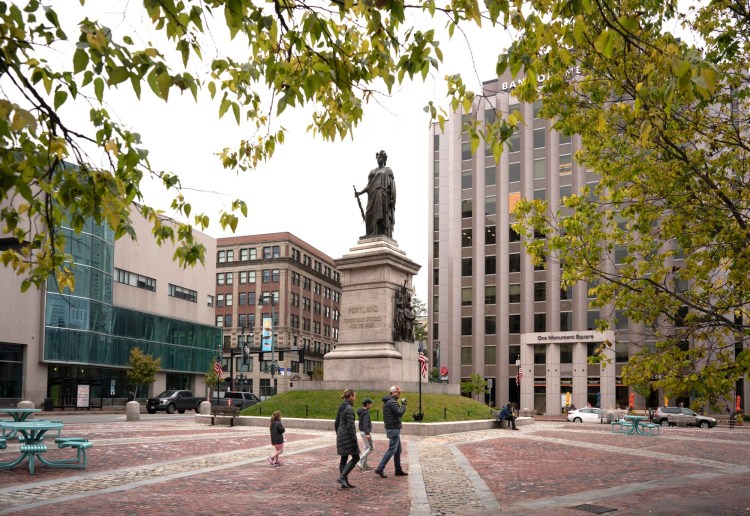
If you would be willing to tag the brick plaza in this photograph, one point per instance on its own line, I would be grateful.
(168, 466)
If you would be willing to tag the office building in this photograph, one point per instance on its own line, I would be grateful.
(127, 295)
(275, 277)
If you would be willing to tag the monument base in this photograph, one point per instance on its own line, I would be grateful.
(412, 388)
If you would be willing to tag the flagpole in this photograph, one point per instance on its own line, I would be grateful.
(419, 415)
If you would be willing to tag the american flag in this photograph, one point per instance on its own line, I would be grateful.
(217, 369)
(423, 362)
(519, 375)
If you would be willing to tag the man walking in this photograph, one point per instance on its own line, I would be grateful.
(392, 414)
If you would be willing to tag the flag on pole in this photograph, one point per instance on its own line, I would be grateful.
(217, 369)
(519, 375)
(423, 362)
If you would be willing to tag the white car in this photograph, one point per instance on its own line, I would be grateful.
(587, 415)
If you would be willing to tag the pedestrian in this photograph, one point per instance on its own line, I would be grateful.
(131, 395)
(392, 414)
(346, 438)
(277, 439)
(365, 430)
(507, 415)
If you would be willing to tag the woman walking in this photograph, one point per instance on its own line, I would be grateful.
(346, 438)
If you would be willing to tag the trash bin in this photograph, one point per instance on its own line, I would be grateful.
(48, 404)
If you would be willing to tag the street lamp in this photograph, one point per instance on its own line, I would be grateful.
(519, 375)
(267, 338)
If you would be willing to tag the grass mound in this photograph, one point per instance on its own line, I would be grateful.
(324, 404)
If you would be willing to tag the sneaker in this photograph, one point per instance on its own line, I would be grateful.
(380, 473)
(401, 473)
(270, 460)
(366, 467)
(360, 466)
(278, 463)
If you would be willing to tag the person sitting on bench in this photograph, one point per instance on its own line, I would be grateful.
(507, 415)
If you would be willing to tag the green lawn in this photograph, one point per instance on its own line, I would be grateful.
(324, 404)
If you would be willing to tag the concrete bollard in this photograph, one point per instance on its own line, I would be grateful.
(26, 405)
(132, 411)
(205, 408)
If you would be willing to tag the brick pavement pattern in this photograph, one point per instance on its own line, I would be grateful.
(178, 467)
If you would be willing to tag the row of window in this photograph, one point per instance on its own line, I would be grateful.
(248, 254)
(540, 356)
(540, 323)
(135, 280)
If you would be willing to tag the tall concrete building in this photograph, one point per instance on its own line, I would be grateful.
(127, 295)
(275, 277)
(491, 311)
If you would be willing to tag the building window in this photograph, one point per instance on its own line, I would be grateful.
(229, 299)
(566, 353)
(539, 195)
(466, 296)
(466, 237)
(436, 276)
(536, 107)
(466, 267)
(514, 262)
(514, 353)
(466, 179)
(490, 266)
(540, 323)
(513, 235)
(514, 172)
(465, 325)
(466, 210)
(253, 253)
(566, 321)
(514, 141)
(540, 138)
(565, 191)
(436, 249)
(222, 257)
(540, 354)
(540, 291)
(220, 321)
(489, 235)
(466, 355)
(564, 138)
(490, 205)
(566, 165)
(230, 278)
(271, 252)
(243, 255)
(540, 168)
(489, 295)
(489, 176)
(210, 300)
(514, 323)
(489, 324)
(514, 293)
(183, 293)
(228, 321)
(220, 278)
(621, 352)
(566, 292)
(220, 300)
(591, 317)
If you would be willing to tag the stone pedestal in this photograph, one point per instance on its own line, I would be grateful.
(371, 273)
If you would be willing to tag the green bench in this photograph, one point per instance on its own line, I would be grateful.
(2, 443)
(231, 411)
(623, 426)
(80, 444)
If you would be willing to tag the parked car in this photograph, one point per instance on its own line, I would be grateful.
(237, 399)
(171, 400)
(588, 415)
(668, 416)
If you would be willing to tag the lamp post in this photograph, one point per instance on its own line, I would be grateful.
(518, 381)
(419, 415)
(268, 340)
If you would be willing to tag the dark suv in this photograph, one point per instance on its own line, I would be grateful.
(240, 399)
(669, 416)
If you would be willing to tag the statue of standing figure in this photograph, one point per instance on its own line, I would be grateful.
(380, 215)
(403, 316)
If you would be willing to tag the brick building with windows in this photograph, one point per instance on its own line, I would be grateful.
(275, 277)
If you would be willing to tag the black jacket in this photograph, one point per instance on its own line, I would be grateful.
(365, 423)
(346, 432)
(392, 413)
(277, 433)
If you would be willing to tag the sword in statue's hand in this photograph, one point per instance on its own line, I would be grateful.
(359, 202)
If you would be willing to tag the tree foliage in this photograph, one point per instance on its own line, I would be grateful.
(143, 368)
(475, 385)
(330, 56)
(419, 308)
(660, 100)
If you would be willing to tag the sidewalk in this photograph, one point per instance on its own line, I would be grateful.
(173, 467)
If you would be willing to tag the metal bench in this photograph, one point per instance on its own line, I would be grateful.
(225, 411)
(622, 425)
(650, 427)
(80, 445)
(2, 443)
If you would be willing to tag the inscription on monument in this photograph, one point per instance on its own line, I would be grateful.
(362, 316)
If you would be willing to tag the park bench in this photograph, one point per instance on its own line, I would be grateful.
(225, 411)
(651, 427)
(622, 426)
(2, 443)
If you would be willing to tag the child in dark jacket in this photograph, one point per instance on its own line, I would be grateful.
(365, 430)
(277, 439)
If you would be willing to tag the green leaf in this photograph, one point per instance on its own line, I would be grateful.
(80, 60)
(99, 88)
(164, 81)
(60, 97)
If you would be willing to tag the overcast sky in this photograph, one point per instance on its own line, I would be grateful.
(306, 189)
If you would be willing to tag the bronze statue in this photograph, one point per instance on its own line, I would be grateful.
(403, 315)
(380, 214)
